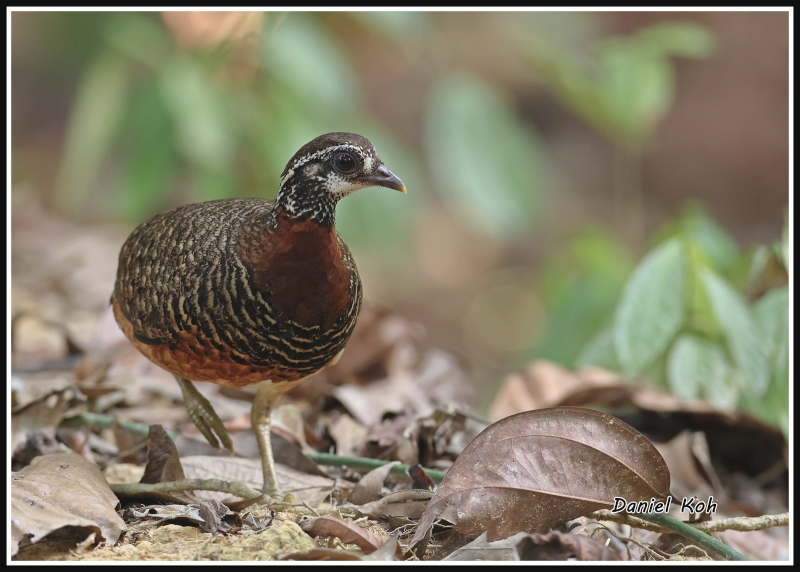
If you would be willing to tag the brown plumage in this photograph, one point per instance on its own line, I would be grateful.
(249, 291)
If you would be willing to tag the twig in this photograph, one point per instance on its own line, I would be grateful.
(229, 487)
(744, 523)
(740, 523)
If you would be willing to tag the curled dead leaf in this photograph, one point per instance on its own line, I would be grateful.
(346, 531)
(533, 471)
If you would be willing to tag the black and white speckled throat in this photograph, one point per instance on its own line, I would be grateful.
(309, 200)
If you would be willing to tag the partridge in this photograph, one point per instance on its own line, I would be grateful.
(250, 292)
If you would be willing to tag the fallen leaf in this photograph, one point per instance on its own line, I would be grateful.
(388, 552)
(288, 419)
(30, 387)
(367, 404)
(757, 544)
(163, 464)
(546, 384)
(388, 439)
(419, 478)
(408, 503)
(326, 555)
(59, 490)
(742, 441)
(534, 471)
(46, 411)
(37, 443)
(346, 531)
(211, 514)
(368, 488)
(123, 474)
(348, 434)
(441, 378)
(687, 480)
(377, 336)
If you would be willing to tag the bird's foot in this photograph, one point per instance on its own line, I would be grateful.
(204, 417)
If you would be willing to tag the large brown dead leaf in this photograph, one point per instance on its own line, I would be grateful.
(739, 441)
(533, 471)
(61, 490)
(546, 384)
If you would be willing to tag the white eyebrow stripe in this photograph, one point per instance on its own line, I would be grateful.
(327, 150)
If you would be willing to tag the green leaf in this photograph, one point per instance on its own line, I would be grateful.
(400, 26)
(758, 263)
(685, 39)
(581, 283)
(652, 307)
(485, 161)
(197, 107)
(785, 246)
(716, 243)
(301, 53)
(771, 313)
(637, 86)
(149, 144)
(741, 332)
(599, 352)
(93, 122)
(140, 37)
(724, 389)
(777, 397)
(695, 364)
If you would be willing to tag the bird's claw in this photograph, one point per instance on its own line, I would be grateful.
(204, 417)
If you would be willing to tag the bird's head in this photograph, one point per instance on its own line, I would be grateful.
(328, 168)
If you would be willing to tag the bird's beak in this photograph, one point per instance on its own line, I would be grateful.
(383, 177)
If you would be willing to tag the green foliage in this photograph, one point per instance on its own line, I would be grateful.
(580, 284)
(682, 322)
(627, 88)
(742, 338)
(488, 164)
(98, 109)
(300, 53)
(652, 308)
(178, 128)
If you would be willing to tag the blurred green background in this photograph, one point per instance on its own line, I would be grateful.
(591, 188)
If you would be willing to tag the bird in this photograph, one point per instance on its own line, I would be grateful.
(247, 292)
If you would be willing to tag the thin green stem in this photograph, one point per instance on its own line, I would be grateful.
(142, 429)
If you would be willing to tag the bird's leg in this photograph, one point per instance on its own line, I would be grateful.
(262, 423)
(203, 416)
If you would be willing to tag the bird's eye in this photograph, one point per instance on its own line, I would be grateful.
(344, 163)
